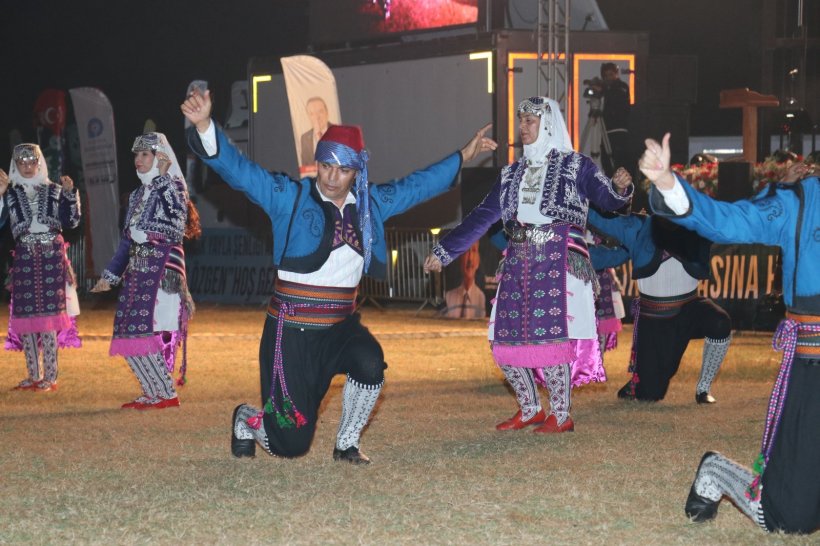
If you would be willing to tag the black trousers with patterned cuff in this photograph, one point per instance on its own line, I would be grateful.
(662, 342)
(311, 358)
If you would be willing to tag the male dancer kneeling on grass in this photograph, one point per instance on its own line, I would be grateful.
(327, 233)
(782, 491)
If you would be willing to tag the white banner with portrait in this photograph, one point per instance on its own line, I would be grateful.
(314, 105)
(98, 152)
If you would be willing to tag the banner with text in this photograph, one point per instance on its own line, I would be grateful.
(230, 265)
(98, 152)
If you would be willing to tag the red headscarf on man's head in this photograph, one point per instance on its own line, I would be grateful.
(344, 145)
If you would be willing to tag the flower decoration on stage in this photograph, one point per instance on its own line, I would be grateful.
(704, 176)
(772, 169)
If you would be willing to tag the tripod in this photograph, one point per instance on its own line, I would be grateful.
(595, 133)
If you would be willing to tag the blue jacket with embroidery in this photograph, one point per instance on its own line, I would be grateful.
(303, 224)
(646, 238)
(787, 216)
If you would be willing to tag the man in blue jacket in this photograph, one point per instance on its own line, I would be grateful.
(667, 261)
(782, 491)
(327, 233)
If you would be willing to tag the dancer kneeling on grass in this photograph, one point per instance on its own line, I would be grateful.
(42, 284)
(782, 491)
(543, 321)
(327, 233)
(668, 261)
(154, 303)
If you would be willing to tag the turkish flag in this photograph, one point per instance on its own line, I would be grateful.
(50, 110)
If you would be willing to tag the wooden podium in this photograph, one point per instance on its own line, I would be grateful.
(750, 101)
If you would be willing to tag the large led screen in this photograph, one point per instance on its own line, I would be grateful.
(350, 21)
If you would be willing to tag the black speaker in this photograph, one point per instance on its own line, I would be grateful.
(652, 120)
(734, 181)
(672, 78)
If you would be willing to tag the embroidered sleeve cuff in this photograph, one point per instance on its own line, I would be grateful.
(628, 193)
(112, 279)
(164, 179)
(442, 255)
(71, 195)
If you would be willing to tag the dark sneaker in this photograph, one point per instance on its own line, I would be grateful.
(700, 509)
(351, 455)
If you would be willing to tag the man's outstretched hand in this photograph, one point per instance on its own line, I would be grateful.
(478, 144)
(654, 163)
(197, 108)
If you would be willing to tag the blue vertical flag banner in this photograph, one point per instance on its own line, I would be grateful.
(98, 153)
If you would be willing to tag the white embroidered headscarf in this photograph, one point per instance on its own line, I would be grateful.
(552, 132)
(28, 152)
(156, 142)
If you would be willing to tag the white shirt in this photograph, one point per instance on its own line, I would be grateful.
(676, 198)
(671, 279)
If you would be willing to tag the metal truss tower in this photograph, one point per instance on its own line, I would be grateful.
(553, 49)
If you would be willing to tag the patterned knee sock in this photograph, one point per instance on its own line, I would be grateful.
(49, 341)
(714, 350)
(154, 365)
(148, 390)
(721, 476)
(32, 357)
(558, 384)
(244, 432)
(523, 384)
(358, 401)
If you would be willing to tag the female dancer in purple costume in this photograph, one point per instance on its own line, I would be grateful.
(44, 298)
(154, 302)
(544, 315)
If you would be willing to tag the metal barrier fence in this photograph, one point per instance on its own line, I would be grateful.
(76, 255)
(406, 280)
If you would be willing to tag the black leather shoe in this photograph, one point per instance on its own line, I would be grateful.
(626, 392)
(351, 455)
(241, 448)
(699, 509)
(704, 398)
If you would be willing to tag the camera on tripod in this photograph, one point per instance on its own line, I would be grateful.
(594, 88)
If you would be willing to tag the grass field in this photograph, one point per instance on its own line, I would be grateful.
(76, 469)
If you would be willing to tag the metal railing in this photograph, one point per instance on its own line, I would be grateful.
(406, 280)
(76, 255)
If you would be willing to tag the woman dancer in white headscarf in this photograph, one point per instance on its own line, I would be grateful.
(42, 284)
(544, 313)
(154, 302)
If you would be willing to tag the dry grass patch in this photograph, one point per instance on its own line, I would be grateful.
(74, 468)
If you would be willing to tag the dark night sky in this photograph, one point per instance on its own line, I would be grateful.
(143, 54)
